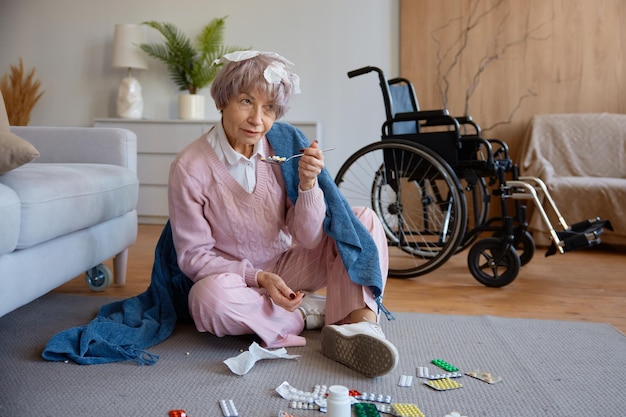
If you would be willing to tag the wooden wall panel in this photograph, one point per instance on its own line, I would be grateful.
(569, 54)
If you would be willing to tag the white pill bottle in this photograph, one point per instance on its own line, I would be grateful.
(338, 402)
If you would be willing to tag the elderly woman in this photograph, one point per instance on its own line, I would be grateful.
(258, 240)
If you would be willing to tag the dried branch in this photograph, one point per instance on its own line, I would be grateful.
(459, 45)
(451, 57)
(20, 94)
(510, 119)
(488, 59)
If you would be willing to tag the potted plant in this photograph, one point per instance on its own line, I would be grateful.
(21, 93)
(190, 65)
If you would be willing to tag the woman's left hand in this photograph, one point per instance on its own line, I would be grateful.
(278, 291)
(310, 166)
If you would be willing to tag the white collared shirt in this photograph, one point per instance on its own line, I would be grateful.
(243, 169)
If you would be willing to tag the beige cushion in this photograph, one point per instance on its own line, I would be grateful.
(14, 151)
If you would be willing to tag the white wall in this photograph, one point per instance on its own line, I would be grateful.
(69, 44)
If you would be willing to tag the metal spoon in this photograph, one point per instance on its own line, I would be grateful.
(277, 160)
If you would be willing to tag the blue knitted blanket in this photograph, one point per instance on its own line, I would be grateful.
(123, 330)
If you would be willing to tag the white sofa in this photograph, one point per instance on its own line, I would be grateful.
(67, 211)
(582, 160)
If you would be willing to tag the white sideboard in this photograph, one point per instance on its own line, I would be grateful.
(158, 143)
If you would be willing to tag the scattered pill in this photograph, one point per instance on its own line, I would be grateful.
(454, 414)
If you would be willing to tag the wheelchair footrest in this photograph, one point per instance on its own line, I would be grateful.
(581, 235)
(590, 225)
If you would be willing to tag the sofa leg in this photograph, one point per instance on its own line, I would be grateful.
(120, 261)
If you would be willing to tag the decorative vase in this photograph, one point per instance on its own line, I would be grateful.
(191, 106)
(129, 99)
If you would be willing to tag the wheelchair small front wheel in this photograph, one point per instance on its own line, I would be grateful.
(524, 245)
(98, 278)
(493, 262)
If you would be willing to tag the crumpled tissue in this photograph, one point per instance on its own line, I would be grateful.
(242, 363)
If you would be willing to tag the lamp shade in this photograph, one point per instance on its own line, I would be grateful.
(126, 41)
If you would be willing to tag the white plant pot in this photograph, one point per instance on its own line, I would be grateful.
(191, 106)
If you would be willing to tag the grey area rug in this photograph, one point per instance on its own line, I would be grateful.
(548, 368)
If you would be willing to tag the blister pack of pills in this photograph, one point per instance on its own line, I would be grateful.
(303, 405)
(406, 410)
(443, 384)
(484, 376)
(405, 381)
(444, 365)
(379, 398)
(291, 393)
(365, 410)
(424, 372)
(228, 408)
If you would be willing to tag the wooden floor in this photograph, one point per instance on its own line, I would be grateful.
(588, 285)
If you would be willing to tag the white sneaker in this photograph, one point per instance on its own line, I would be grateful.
(360, 346)
(314, 309)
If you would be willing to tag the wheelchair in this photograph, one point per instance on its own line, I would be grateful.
(431, 179)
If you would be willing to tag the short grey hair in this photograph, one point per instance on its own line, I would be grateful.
(248, 75)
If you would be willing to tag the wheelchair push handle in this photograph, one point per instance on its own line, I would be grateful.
(364, 70)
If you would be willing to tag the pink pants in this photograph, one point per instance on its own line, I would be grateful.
(223, 305)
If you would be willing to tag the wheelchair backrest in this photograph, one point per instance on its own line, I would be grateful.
(402, 99)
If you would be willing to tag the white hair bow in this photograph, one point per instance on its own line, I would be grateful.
(274, 73)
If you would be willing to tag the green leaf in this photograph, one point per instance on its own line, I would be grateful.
(190, 66)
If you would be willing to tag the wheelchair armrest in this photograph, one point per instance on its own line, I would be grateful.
(420, 115)
(467, 120)
(503, 149)
(464, 120)
(426, 118)
(485, 143)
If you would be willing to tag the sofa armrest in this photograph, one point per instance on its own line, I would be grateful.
(100, 145)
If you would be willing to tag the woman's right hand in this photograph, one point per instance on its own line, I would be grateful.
(278, 291)
(310, 166)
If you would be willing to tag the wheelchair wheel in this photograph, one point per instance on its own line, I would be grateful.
(524, 245)
(98, 278)
(417, 198)
(477, 197)
(493, 262)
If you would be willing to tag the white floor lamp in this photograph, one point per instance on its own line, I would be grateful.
(126, 54)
